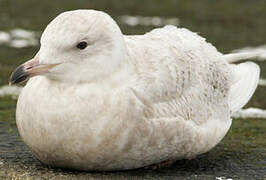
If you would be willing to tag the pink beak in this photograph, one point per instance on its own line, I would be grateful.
(29, 69)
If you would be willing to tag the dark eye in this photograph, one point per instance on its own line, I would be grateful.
(82, 45)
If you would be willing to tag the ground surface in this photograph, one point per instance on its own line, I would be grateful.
(227, 24)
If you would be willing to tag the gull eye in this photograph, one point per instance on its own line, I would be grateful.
(82, 45)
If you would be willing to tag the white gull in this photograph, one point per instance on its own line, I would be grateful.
(99, 100)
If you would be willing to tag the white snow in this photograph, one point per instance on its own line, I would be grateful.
(250, 113)
(223, 178)
(19, 38)
(262, 82)
(148, 21)
(260, 49)
(4, 37)
(22, 34)
(21, 43)
(7, 90)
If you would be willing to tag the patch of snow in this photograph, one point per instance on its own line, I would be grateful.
(19, 38)
(223, 178)
(22, 34)
(21, 43)
(148, 21)
(262, 82)
(13, 91)
(259, 49)
(250, 113)
(4, 37)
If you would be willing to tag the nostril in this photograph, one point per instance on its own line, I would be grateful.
(28, 68)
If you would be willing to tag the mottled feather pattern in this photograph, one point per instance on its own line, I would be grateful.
(179, 78)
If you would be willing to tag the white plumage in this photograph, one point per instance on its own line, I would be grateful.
(128, 101)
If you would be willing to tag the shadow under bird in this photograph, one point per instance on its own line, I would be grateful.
(100, 100)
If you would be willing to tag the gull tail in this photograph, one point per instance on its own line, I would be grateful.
(245, 79)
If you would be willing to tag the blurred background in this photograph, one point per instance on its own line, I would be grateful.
(227, 24)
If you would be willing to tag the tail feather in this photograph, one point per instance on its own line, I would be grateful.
(245, 81)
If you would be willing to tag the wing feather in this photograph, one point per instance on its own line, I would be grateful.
(179, 74)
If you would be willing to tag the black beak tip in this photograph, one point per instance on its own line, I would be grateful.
(19, 75)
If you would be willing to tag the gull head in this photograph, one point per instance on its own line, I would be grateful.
(80, 46)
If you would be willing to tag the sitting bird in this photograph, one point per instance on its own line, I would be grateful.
(100, 100)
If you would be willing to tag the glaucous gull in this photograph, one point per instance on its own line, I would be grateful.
(99, 100)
